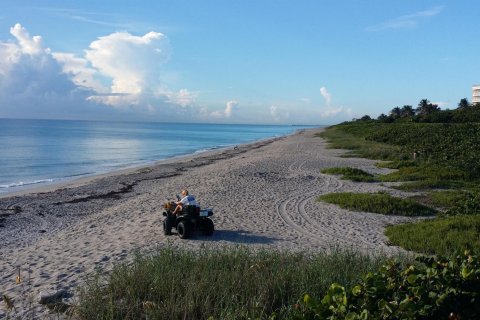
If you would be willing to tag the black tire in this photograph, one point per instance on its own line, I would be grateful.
(207, 227)
(183, 229)
(167, 227)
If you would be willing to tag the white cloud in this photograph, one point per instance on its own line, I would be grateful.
(279, 114)
(406, 21)
(326, 95)
(80, 72)
(28, 45)
(330, 111)
(230, 109)
(31, 80)
(131, 62)
(228, 112)
(119, 70)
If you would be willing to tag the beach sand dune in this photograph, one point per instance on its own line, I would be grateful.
(262, 194)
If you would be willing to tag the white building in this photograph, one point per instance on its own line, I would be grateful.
(476, 93)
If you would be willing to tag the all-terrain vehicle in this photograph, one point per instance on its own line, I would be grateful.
(191, 219)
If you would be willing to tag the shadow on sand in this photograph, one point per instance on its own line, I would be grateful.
(236, 236)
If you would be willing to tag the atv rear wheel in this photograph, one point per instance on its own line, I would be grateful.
(183, 229)
(207, 227)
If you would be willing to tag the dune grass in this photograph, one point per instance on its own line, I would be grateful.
(352, 174)
(233, 283)
(377, 203)
(351, 138)
(445, 236)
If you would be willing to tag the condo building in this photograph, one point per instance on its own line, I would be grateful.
(476, 93)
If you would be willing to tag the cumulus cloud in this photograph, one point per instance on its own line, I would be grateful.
(230, 109)
(31, 79)
(80, 72)
(330, 111)
(278, 114)
(28, 45)
(326, 95)
(131, 62)
(228, 112)
(120, 70)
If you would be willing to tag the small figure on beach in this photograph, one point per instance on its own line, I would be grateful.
(186, 216)
(186, 200)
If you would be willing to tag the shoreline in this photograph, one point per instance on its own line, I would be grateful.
(128, 169)
(263, 195)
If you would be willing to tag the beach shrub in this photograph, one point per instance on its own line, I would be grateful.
(448, 198)
(469, 204)
(433, 288)
(353, 174)
(452, 147)
(352, 137)
(229, 283)
(397, 164)
(441, 149)
(381, 203)
(444, 235)
(431, 184)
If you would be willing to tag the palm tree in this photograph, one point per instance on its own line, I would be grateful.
(425, 107)
(396, 112)
(463, 103)
(407, 111)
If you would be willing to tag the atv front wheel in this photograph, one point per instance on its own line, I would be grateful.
(183, 229)
(167, 227)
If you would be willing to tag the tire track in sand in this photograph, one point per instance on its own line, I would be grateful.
(323, 227)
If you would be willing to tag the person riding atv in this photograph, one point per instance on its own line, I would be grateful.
(186, 200)
(186, 216)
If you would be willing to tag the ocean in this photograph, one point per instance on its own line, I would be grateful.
(42, 152)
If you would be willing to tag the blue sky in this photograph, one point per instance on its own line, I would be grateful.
(262, 61)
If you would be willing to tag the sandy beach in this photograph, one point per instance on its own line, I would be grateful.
(262, 194)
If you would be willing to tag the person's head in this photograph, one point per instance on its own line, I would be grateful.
(184, 192)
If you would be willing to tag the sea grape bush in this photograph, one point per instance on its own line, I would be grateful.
(469, 205)
(432, 288)
(449, 145)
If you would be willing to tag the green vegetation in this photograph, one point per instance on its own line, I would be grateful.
(443, 153)
(452, 202)
(434, 288)
(378, 203)
(444, 235)
(434, 151)
(233, 283)
(353, 174)
(350, 137)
